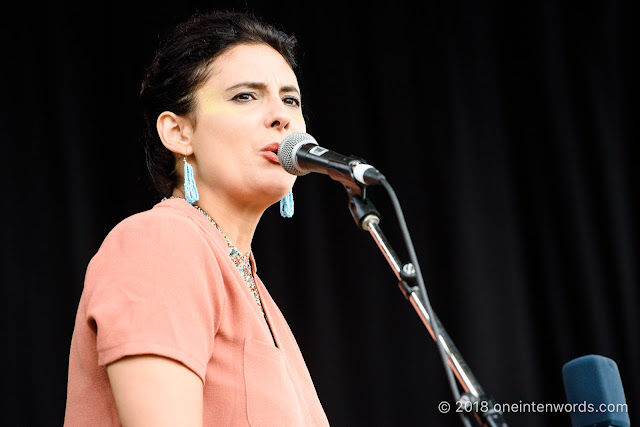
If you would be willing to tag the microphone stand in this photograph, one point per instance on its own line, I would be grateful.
(474, 400)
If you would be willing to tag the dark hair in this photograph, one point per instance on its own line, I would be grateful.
(179, 68)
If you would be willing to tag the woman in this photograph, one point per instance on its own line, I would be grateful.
(174, 327)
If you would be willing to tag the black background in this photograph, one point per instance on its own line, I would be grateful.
(506, 128)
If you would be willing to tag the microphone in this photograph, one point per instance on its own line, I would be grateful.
(594, 389)
(299, 154)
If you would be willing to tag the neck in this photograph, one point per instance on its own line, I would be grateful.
(237, 221)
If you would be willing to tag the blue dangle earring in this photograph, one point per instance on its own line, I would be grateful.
(286, 205)
(190, 189)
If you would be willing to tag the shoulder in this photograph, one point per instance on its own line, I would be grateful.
(156, 287)
(161, 257)
(160, 223)
(172, 225)
(166, 238)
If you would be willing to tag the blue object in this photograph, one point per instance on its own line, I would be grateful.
(286, 205)
(190, 189)
(594, 389)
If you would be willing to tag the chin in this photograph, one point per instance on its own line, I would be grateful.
(283, 192)
(283, 183)
(274, 186)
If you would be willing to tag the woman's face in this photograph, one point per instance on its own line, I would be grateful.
(249, 104)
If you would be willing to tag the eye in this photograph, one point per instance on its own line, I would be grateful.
(244, 97)
(291, 101)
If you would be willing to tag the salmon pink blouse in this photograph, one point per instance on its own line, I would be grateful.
(163, 283)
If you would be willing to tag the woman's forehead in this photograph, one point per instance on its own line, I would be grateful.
(256, 63)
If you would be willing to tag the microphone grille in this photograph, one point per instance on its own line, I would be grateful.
(595, 380)
(285, 151)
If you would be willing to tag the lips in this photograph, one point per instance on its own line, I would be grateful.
(273, 147)
(270, 152)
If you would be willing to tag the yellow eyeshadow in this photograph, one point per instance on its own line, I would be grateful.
(209, 103)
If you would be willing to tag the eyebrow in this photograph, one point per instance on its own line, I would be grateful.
(261, 86)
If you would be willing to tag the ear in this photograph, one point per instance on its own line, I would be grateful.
(175, 133)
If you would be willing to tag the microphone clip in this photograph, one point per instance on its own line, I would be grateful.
(359, 206)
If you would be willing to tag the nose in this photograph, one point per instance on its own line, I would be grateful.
(279, 116)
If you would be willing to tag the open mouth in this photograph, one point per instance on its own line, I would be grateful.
(270, 152)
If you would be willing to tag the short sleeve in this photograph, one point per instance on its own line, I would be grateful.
(155, 287)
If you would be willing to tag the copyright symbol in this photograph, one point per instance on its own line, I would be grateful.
(444, 407)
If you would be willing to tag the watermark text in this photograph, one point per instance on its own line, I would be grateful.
(531, 407)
